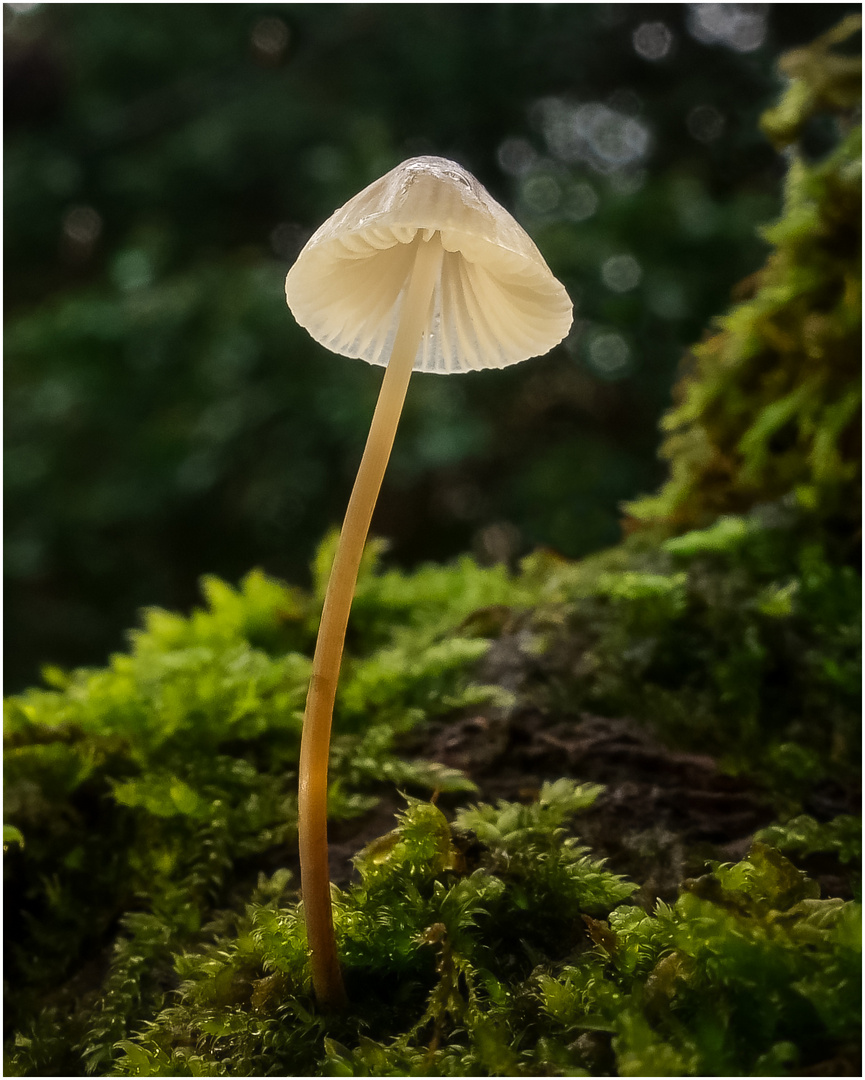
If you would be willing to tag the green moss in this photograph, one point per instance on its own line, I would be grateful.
(769, 405)
(729, 980)
(147, 787)
(728, 640)
(156, 789)
(805, 836)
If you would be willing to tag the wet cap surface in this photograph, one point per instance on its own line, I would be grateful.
(496, 301)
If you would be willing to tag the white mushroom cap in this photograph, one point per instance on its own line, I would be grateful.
(496, 301)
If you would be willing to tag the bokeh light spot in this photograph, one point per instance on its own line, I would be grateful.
(621, 273)
(541, 194)
(517, 156)
(269, 40)
(628, 181)
(132, 270)
(581, 201)
(498, 542)
(82, 225)
(460, 500)
(741, 27)
(609, 355)
(652, 40)
(596, 134)
(705, 123)
(79, 231)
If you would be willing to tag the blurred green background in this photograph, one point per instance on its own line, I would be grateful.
(164, 163)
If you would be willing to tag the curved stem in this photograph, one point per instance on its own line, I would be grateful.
(315, 741)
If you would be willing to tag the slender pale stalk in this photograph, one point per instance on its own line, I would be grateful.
(315, 742)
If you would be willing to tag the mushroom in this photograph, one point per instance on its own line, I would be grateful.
(421, 270)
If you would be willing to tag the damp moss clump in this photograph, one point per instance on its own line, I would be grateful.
(769, 406)
(139, 796)
(729, 640)
(155, 801)
(505, 951)
(155, 926)
(498, 946)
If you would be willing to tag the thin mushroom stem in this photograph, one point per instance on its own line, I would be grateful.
(315, 741)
